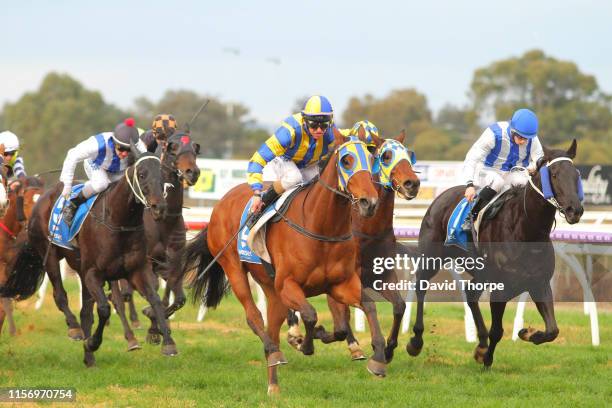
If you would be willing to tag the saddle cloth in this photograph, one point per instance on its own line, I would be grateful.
(252, 242)
(59, 232)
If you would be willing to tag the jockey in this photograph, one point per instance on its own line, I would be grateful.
(164, 126)
(293, 151)
(105, 157)
(11, 158)
(501, 146)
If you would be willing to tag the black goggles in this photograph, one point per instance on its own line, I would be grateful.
(317, 125)
(123, 148)
(10, 153)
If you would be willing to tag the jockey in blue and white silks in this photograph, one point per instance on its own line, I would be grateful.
(502, 146)
(104, 157)
(292, 152)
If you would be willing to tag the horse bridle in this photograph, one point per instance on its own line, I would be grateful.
(552, 200)
(135, 184)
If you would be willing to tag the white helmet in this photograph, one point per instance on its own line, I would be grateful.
(9, 140)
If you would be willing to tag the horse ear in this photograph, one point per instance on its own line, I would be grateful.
(378, 141)
(338, 137)
(402, 135)
(571, 152)
(196, 147)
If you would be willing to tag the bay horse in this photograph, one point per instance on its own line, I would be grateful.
(515, 244)
(311, 250)
(110, 247)
(375, 238)
(165, 238)
(21, 198)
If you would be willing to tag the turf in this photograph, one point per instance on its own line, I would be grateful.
(221, 364)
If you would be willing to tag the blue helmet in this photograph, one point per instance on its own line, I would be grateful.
(525, 123)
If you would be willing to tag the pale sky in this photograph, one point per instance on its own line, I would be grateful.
(336, 48)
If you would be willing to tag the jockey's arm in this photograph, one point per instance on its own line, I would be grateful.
(275, 146)
(141, 146)
(536, 153)
(84, 150)
(476, 155)
(19, 168)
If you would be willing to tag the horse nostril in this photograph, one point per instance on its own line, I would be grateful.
(408, 185)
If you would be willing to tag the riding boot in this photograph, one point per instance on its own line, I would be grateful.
(267, 198)
(20, 209)
(71, 206)
(483, 198)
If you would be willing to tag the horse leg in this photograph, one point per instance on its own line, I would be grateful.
(153, 333)
(472, 297)
(175, 282)
(415, 345)
(497, 330)
(7, 305)
(544, 302)
(353, 345)
(293, 296)
(295, 338)
(60, 297)
(276, 312)
(129, 295)
(399, 307)
(145, 283)
(95, 285)
(2, 315)
(340, 315)
(117, 300)
(86, 314)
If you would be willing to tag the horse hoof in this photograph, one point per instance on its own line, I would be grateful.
(136, 324)
(356, 352)
(525, 334)
(273, 390)
(153, 338)
(76, 334)
(479, 354)
(276, 358)
(377, 368)
(169, 350)
(133, 345)
(295, 338)
(413, 351)
(89, 360)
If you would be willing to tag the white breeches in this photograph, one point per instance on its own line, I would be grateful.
(99, 179)
(288, 173)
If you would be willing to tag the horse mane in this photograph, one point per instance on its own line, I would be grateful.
(35, 182)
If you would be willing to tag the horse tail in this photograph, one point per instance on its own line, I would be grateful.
(209, 286)
(26, 275)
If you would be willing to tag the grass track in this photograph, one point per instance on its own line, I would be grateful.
(221, 364)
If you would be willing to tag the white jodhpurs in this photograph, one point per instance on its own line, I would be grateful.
(288, 173)
(99, 179)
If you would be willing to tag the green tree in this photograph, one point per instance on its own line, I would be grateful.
(568, 102)
(223, 129)
(51, 120)
(401, 109)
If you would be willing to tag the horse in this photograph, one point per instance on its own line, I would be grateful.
(22, 198)
(375, 238)
(109, 244)
(167, 237)
(516, 247)
(311, 255)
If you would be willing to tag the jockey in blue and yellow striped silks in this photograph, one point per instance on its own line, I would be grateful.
(293, 150)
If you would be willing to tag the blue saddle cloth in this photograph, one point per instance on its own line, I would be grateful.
(59, 232)
(455, 235)
(245, 253)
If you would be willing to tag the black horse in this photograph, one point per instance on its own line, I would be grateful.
(165, 238)
(110, 247)
(516, 246)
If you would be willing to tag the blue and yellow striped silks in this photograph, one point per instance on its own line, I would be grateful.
(398, 152)
(293, 142)
(317, 105)
(362, 161)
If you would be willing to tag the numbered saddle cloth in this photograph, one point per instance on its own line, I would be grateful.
(60, 233)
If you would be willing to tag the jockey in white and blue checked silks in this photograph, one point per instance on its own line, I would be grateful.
(502, 146)
(104, 157)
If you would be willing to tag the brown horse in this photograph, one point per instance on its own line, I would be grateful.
(311, 254)
(110, 247)
(376, 238)
(22, 198)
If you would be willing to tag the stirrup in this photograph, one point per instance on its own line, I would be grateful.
(467, 224)
(68, 213)
(253, 218)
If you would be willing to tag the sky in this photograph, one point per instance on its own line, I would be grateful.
(231, 49)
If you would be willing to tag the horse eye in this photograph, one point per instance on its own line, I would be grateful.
(386, 157)
(346, 161)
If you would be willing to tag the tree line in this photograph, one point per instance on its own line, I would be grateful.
(568, 102)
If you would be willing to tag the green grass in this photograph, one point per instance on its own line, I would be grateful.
(221, 364)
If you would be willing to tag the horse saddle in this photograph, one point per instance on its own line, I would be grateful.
(252, 242)
(59, 232)
(456, 235)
